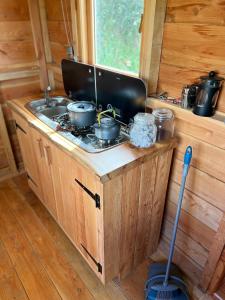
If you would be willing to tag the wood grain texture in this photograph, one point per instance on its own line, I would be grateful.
(11, 10)
(191, 248)
(191, 30)
(187, 265)
(28, 266)
(201, 184)
(129, 212)
(191, 226)
(196, 11)
(7, 152)
(214, 255)
(57, 268)
(195, 206)
(151, 42)
(162, 175)
(10, 284)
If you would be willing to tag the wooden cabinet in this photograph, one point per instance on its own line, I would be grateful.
(29, 158)
(45, 161)
(114, 221)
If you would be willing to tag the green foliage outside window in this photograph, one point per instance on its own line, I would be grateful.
(117, 39)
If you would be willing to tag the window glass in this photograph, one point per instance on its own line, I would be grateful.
(117, 40)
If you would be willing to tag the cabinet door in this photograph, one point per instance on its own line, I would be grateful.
(89, 220)
(45, 160)
(25, 141)
(65, 193)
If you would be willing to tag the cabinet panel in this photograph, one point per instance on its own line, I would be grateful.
(25, 141)
(45, 161)
(65, 193)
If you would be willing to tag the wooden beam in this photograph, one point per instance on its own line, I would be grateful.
(82, 31)
(45, 34)
(18, 74)
(7, 146)
(151, 44)
(35, 19)
(74, 22)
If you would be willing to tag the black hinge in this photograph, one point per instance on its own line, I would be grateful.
(99, 266)
(19, 127)
(95, 197)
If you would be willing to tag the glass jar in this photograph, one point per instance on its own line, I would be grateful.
(164, 121)
(143, 130)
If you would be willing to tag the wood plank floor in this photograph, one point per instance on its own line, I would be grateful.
(37, 260)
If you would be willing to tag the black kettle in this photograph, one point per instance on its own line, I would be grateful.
(207, 94)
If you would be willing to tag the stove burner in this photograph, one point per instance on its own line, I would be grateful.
(86, 136)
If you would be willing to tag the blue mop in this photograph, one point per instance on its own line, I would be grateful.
(165, 281)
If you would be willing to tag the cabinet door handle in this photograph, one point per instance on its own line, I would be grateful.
(48, 154)
(40, 145)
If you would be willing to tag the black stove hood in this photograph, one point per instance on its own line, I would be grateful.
(85, 82)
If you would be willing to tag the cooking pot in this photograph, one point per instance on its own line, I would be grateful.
(82, 113)
(107, 129)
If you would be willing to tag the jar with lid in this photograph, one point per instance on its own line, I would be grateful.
(143, 130)
(164, 121)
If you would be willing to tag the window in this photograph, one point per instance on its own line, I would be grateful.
(117, 37)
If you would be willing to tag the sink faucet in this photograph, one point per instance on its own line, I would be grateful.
(47, 96)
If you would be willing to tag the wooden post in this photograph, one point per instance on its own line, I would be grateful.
(35, 19)
(151, 44)
(74, 21)
(82, 30)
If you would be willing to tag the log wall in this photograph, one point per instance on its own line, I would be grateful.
(19, 71)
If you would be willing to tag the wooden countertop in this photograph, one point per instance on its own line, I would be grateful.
(106, 164)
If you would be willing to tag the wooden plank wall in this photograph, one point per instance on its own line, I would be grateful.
(19, 71)
(194, 35)
(193, 44)
(57, 35)
(201, 228)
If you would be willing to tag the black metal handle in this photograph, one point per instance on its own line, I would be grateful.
(20, 128)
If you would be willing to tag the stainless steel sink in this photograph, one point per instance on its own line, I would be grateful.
(52, 112)
(53, 107)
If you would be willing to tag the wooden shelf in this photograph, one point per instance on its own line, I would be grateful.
(210, 130)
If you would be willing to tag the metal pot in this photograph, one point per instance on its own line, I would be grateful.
(82, 113)
(108, 129)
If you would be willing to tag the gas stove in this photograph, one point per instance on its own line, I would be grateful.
(84, 137)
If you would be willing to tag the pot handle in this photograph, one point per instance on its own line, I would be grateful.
(112, 110)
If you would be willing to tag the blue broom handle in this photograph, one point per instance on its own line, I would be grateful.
(187, 160)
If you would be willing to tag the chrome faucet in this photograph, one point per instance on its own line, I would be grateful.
(47, 96)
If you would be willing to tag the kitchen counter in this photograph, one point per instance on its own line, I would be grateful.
(104, 165)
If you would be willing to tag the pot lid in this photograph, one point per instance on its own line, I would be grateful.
(81, 106)
(212, 76)
(107, 122)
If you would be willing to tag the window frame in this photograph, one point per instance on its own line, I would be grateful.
(152, 25)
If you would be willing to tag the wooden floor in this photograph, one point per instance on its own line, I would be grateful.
(37, 261)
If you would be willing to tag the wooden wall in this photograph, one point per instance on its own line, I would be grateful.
(57, 35)
(193, 44)
(19, 71)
